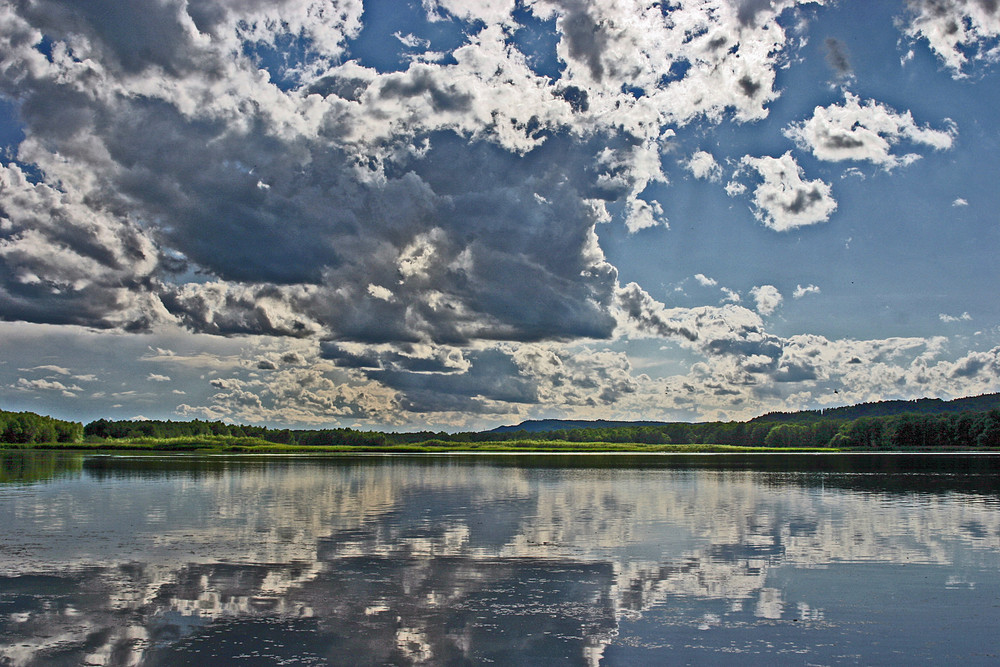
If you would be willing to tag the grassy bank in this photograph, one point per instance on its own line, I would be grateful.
(224, 444)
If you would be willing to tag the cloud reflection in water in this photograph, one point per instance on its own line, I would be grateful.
(447, 560)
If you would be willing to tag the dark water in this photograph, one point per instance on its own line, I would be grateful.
(499, 560)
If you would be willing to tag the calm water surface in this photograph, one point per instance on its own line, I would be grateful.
(623, 560)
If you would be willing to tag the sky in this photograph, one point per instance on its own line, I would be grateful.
(456, 214)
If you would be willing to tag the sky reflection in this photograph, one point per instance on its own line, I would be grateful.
(449, 560)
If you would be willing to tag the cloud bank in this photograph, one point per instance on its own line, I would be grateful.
(419, 229)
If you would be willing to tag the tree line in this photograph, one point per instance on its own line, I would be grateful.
(899, 431)
(906, 431)
(161, 429)
(31, 428)
(980, 403)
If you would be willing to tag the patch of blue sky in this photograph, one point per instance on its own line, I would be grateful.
(286, 60)
(45, 47)
(537, 39)
(677, 71)
(11, 130)
(11, 136)
(414, 32)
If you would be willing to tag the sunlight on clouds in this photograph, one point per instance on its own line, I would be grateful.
(703, 165)
(801, 291)
(956, 30)
(705, 281)
(767, 298)
(388, 242)
(865, 133)
(785, 200)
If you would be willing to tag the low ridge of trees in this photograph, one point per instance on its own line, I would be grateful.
(153, 428)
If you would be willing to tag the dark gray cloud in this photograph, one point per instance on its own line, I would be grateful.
(749, 87)
(396, 208)
(131, 36)
(585, 36)
(748, 10)
(837, 57)
(408, 219)
(444, 97)
(467, 239)
(492, 377)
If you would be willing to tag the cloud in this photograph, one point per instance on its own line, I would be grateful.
(412, 41)
(801, 291)
(65, 263)
(960, 202)
(644, 214)
(156, 377)
(24, 384)
(50, 368)
(379, 292)
(956, 30)
(297, 395)
(305, 194)
(705, 281)
(837, 58)
(422, 237)
(703, 165)
(964, 317)
(767, 298)
(868, 132)
(784, 200)
(735, 188)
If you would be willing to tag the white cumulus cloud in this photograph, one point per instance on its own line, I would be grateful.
(704, 280)
(767, 298)
(956, 30)
(703, 165)
(785, 200)
(865, 132)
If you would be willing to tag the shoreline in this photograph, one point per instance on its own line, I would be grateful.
(599, 449)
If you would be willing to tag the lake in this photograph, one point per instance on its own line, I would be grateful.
(526, 560)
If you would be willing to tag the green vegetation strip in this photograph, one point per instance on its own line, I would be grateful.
(223, 444)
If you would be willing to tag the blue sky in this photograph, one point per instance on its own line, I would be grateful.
(455, 214)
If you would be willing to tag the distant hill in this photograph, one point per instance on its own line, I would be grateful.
(924, 406)
(981, 403)
(542, 425)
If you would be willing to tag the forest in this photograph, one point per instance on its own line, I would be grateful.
(31, 428)
(931, 425)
